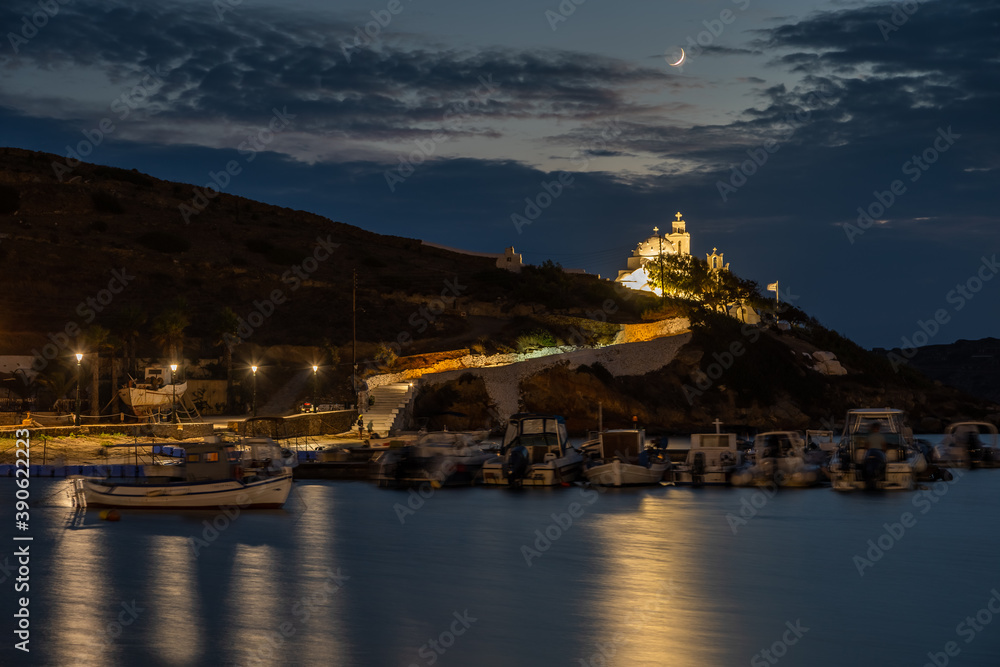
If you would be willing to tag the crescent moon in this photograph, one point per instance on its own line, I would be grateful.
(680, 61)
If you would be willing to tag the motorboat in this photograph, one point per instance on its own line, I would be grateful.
(438, 458)
(876, 452)
(248, 474)
(968, 445)
(821, 440)
(535, 452)
(711, 461)
(781, 458)
(620, 457)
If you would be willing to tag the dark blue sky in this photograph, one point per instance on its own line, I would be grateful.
(833, 101)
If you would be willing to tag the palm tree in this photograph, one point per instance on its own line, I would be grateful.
(128, 327)
(113, 345)
(96, 337)
(224, 332)
(168, 331)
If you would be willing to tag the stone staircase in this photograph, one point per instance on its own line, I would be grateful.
(389, 409)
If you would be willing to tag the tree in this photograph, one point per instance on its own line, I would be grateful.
(224, 332)
(113, 345)
(128, 327)
(96, 337)
(168, 330)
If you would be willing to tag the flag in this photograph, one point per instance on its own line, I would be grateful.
(772, 287)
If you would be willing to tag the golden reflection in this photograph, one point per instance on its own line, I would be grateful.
(655, 606)
(252, 610)
(176, 612)
(78, 584)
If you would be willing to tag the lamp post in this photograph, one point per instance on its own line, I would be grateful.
(254, 369)
(79, 358)
(173, 392)
(315, 385)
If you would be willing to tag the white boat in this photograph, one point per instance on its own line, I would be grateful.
(620, 457)
(781, 458)
(710, 462)
(535, 452)
(893, 464)
(156, 394)
(822, 440)
(247, 475)
(968, 445)
(439, 458)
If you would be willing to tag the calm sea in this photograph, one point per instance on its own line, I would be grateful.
(348, 574)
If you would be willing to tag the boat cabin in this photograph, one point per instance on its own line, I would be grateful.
(777, 444)
(973, 434)
(623, 444)
(541, 435)
(713, 440)
(208, 460)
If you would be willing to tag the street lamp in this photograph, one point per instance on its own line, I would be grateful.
(79, 358)
(254, 369)
(315, 385)
(173, 392)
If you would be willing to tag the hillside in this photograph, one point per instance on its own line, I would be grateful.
(110, 248)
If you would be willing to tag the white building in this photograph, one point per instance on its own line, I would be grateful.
(678, 242)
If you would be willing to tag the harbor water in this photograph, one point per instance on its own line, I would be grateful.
(349, 574)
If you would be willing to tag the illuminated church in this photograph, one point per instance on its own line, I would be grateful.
(678, 242)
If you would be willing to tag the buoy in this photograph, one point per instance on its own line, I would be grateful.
(110, 515)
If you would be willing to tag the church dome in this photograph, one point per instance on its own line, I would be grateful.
(651, 247)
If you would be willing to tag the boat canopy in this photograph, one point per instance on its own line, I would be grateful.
(536, 430)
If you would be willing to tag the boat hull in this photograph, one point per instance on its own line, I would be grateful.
(619, 474)
(539, 474)
(143, 401)
(269, 493)
(899, 477)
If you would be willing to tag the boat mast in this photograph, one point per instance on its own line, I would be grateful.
(354, 339)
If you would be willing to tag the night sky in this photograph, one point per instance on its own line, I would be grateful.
(784, 119)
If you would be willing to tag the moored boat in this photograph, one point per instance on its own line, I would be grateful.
(968, 445)
(620, 457)
(711, 461)
(535, 452)
(781, 458)
(249, 475)
(439, 458)
(876, 452)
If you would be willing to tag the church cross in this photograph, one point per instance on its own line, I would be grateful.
(678, 216)
(718, 424)
(656, 230)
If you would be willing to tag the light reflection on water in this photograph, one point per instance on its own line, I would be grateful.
(644, 577)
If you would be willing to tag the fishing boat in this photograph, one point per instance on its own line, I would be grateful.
(968, 445)
(438, 458)
(535, 452)
(711, 461)
(781, 458)
(156, 394)
(249, 474)
(876, 452)
(620, 457)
